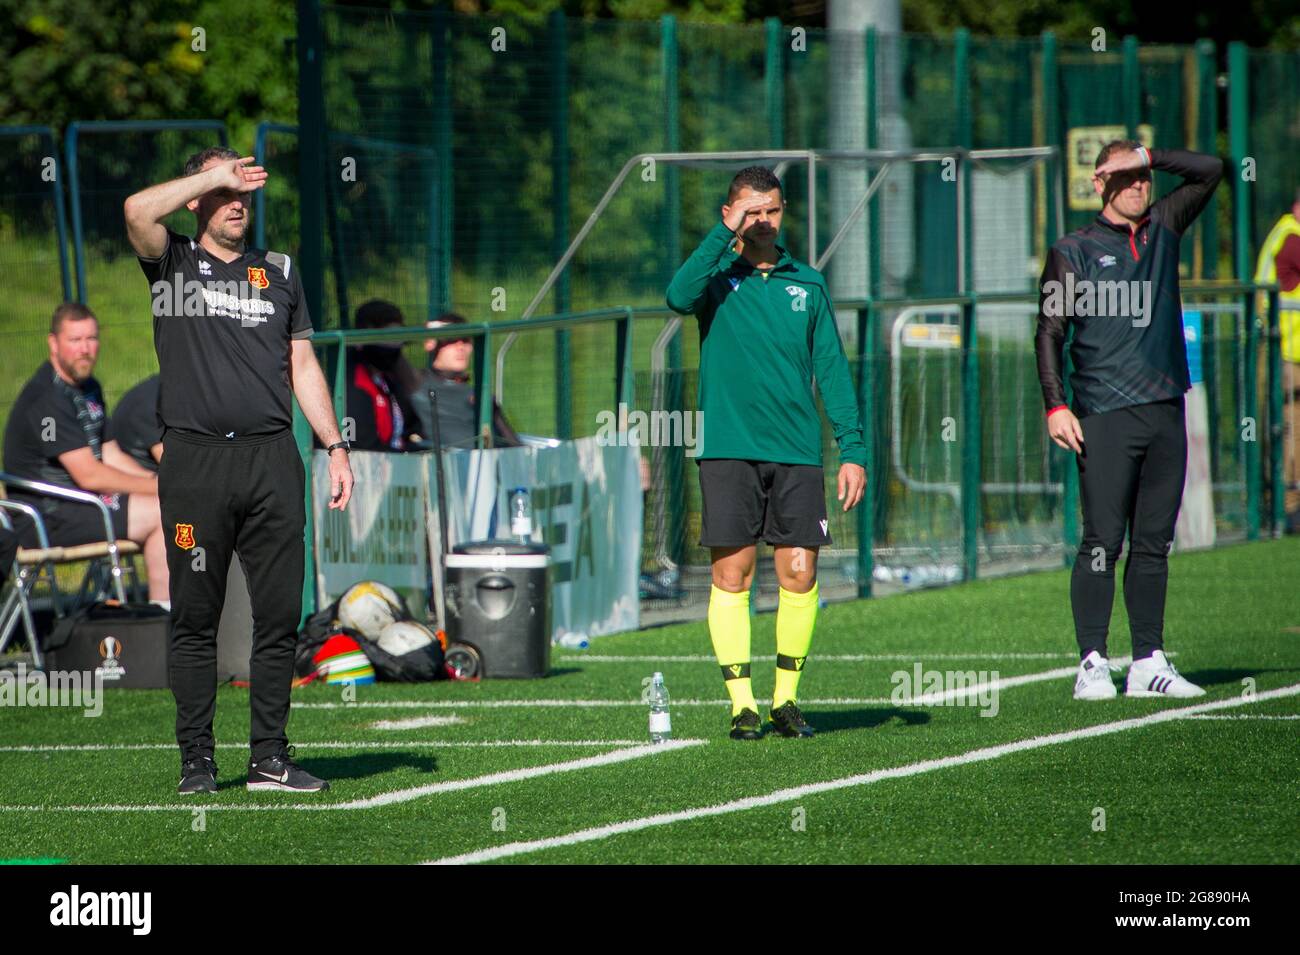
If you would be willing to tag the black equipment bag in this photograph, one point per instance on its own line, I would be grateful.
(126, 644)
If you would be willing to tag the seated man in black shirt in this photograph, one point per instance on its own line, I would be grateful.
(57, 433)
(448, 375)
(136, 427)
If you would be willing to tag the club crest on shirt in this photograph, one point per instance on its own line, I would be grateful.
(184, 536)
(257, 277)
(735, 283)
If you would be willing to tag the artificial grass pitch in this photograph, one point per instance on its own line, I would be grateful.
(570, 777)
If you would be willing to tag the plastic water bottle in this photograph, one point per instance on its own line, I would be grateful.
(661, 724)
(574, 641)
(521, 515)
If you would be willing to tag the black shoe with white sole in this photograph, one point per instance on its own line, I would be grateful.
(198, 775)
(281, 774)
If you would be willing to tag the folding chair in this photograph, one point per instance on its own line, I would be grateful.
(31, 566)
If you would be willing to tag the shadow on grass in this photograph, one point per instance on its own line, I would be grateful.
(360, 766)
(1209, 678)
(834, 721)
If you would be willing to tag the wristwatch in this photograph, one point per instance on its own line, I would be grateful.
(347, 448)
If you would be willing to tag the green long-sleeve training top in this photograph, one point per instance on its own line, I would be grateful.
(765, 336)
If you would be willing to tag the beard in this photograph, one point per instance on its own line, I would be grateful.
(78, 369)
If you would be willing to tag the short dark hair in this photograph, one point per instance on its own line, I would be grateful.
(69, 312)
(378, 314)
(1114, 146)
(758, 178)
(446, 318)
(195, 162)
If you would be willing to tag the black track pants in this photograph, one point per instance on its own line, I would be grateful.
(1130, 480)
(220, 496)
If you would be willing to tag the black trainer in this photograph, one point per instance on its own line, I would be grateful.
(788, 721)
(281, 774)
(198, 775)
(746, 725)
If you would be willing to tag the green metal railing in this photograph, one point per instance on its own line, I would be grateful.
(1258, 333)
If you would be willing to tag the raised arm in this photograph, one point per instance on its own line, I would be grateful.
(145, 210)
(1201, 174)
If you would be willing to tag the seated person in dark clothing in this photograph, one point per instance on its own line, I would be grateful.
(448, 375)
(135, 424)
(379, 382)
(58, 433)
(8, 547)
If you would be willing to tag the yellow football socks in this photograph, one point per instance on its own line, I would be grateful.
(729, 630)
(796, 614)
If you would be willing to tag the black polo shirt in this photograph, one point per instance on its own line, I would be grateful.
(136, 428)
(222, 333)
(52, 417)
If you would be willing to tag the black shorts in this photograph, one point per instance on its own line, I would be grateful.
(74, 523)
(748, 501)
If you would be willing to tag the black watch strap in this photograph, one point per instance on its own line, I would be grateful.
(339, 444)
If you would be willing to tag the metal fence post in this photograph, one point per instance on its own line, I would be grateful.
(1250, 391)
(867, 413)
(1239, 147)
(972, 451)
(559, 69)
(1276, 423)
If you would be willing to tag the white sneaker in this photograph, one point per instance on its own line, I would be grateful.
(1156, 676)
(1094, 680)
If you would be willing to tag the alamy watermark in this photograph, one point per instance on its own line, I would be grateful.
(175, 297)
(922, 687)
(655, 429)
(72, 688)
(1085, 298)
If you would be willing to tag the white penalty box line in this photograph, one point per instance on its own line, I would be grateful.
(863, 779)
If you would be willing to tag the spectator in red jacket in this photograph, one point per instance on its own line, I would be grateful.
(379, 381)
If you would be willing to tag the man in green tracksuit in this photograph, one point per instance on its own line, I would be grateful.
(767, 335)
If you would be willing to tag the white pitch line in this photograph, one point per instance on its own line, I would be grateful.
(328, 744)
(417, 722)
(817, 658)
(896, 772)
(396, 795)
(1244, 716)
(923, 699)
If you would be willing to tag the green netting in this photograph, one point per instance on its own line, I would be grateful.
(30, 257)
(114, 161)
(1273, 80)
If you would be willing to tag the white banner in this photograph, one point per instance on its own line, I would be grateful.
(381, 536)
(586, 502)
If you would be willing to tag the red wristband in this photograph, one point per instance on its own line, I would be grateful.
(1056, 409)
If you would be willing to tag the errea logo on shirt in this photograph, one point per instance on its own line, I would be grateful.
(798, 297)
(1106, 260)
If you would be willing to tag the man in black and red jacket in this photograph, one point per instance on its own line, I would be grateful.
(1114, 285)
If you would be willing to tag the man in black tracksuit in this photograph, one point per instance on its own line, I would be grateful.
(1114, 285)
(233, 338)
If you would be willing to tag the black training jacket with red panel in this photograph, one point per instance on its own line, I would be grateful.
(1131, 359)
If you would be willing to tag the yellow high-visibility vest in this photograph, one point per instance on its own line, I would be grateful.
(1288, 302)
